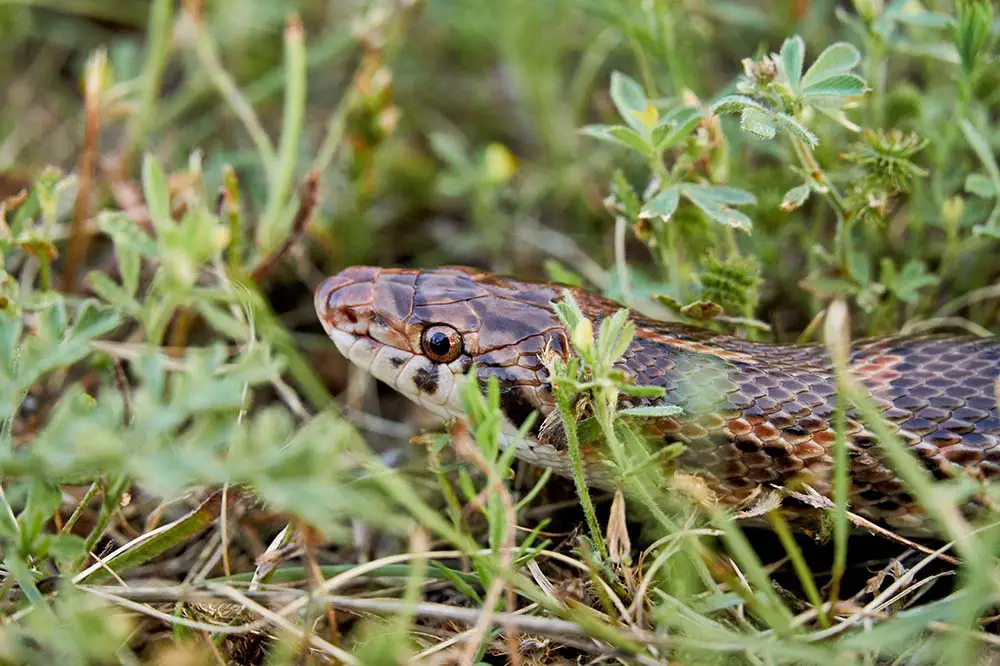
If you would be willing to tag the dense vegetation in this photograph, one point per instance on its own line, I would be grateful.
(192, 474)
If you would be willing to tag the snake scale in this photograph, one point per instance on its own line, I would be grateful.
(755, 416)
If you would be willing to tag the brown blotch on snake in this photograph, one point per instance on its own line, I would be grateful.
(426, 379)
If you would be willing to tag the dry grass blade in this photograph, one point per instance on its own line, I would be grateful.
(208, 593)
(79, 238)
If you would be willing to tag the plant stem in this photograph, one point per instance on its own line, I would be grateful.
(81, 505)
(836, 199)
(158, 40)
(579, 480)
(113, 494)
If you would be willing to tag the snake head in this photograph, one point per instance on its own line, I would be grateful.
(421, 331)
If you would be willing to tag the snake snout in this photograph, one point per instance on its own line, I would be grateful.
(344, 301)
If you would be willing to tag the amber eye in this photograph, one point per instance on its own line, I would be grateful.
(442, 344)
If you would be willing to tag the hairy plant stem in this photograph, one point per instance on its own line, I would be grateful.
(670, 254)
(843, 235)
(565, 405)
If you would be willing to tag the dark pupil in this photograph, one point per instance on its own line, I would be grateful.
(439, 343)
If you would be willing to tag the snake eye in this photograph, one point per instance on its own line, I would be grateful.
(441, 344)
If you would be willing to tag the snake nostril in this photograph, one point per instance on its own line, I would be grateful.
(349, 315)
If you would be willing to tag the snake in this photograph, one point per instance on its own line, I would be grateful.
(754, 418)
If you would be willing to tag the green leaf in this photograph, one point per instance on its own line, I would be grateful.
(757, 124)
(156, 192)
(618, 134)
(91, 320)
(795, 197)
(736, 104)
(643, 390)
(451, 149)
(941, 51)
(124, 231)
(457, 579)
(729, 195)
(149, 545)
(10, 336)
(52, 322)
(43, 500)
(222, 321)
(55, 347)
(982, 149)
(702, 310)
(971, 32)
(702, 197)
(795, 128)
(839, 58)
(676, 127)
(792, 55)
(19, 570)
(911, 279)
(829, 286)
(129, 265)
(629, 99)
(560, 274)
(985, 230)
(66, 549)
(197, 233)
(110, 291)
(683, 115)
(859, 267)
(662, 205)
(923, 18)
(654, 411)
(980, 185)
(623, 195)
(36, 301)
(842, 85)
(614, 336)
(568, 310)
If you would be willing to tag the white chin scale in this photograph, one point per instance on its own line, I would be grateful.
(412, 375)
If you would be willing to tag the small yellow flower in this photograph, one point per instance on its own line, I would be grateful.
(222, 237)
(501, 165)
(951, 211)
(649, 116)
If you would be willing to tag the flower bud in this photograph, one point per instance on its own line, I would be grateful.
(583, 336)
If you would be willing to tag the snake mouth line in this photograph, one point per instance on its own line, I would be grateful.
(405, 372)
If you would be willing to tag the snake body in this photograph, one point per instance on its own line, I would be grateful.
(755, 416)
